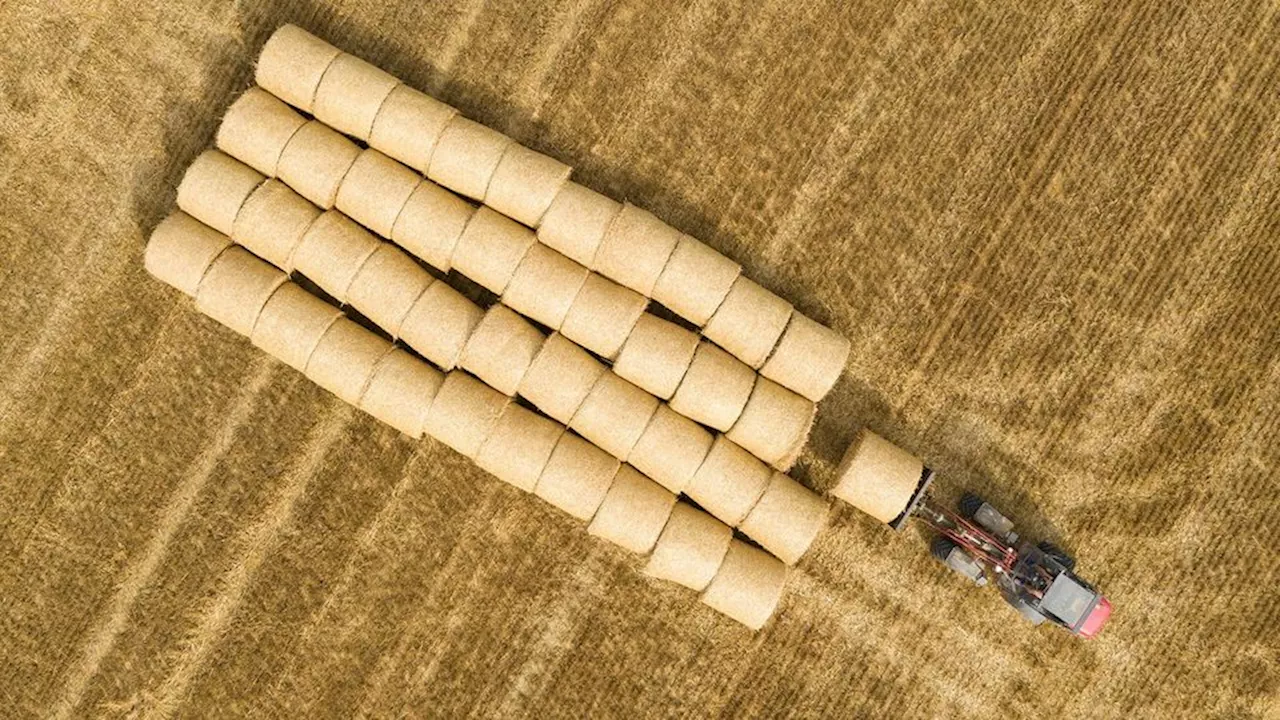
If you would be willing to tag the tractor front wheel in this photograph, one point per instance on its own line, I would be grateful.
(969, 505)
(941, 548)
(1058, 554)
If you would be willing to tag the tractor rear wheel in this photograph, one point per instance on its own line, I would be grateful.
(1058, 554)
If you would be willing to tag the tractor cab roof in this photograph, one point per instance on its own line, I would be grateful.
(1069, 600)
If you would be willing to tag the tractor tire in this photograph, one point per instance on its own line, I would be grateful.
(1058, 554)
(941, 548)
(946, 551)
(969, 504)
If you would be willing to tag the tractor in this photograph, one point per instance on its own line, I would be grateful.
(978, 541)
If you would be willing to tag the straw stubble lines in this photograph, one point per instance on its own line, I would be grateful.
(49, 327)
(678, 45)
(765, 109)
(560, 622)
(761, 82)
(455, 43)
(299, 576)
(886, 648)
(1186, 175)
(848, 136)
(1226, 298)
(1045, 157)
(119, 401)
(60, 320)
(1168, 300)
(55, 87)
(392, 576)
(729, 694)
(1157, 273)
(510, 579)
(136, 576)
(80, 268)
(567, 29)
(981, 136)
(1177, 423)
(27, 384)
(364, 546)
(1195, 373)
(257, 542)
(444, 591)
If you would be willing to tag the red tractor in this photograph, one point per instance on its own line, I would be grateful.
(978, 542)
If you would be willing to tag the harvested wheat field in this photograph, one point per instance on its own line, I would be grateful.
(1051, 233)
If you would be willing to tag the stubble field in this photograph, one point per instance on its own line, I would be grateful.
(1051, 231)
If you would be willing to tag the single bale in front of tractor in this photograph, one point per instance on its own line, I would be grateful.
(880, 478)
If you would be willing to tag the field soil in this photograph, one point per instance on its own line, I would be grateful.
(1050, 230)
